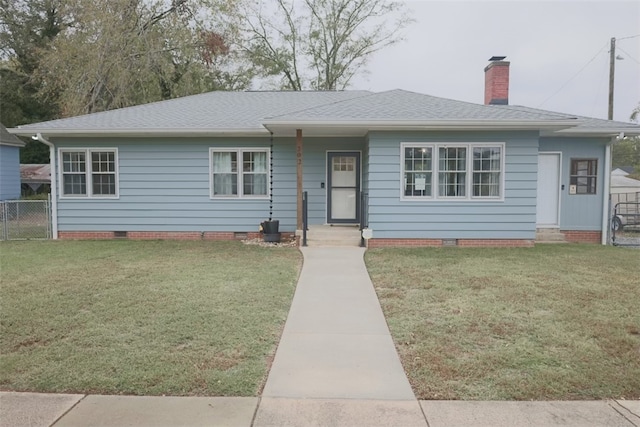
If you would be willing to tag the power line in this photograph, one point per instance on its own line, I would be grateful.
(574, 76)
(628, 37)
(598, 91)
(628, 55)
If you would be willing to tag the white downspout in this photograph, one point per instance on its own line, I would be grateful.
(606, 225)
(54, 183)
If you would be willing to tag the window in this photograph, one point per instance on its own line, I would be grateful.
(239, 172)
(584, 173)
(487, 164)
(452, 177)
(460, 171)
(89, 173)
(418, 170)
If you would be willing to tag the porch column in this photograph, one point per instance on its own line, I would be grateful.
(299, 177)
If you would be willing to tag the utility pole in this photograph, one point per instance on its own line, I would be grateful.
(612, 71)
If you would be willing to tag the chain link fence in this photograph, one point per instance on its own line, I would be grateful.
(25, 219)
(625, 221)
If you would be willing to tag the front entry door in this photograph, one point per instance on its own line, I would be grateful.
(548, 204)
(343, 187)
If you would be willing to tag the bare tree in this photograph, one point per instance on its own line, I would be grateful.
(320, 44)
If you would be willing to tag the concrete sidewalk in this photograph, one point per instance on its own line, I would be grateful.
(60, 410)
(336, 365)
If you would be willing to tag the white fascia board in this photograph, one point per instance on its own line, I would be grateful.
(594, 132)
(425, 125)
(138, 132)
(13, 144)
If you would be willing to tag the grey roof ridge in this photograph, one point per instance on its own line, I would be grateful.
(365, 94)
(560, 116)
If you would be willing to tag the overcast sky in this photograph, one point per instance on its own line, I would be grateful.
(559, 53)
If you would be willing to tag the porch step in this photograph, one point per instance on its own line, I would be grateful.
(333, 235)
(549, 235)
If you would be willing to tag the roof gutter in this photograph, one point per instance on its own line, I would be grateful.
(140, 132)
(54, 187)
(425, 125)
(13, 144)
(598, 132)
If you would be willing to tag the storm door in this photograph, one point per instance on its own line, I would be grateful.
(343, 187)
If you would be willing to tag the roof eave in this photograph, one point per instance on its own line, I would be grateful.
(594, 132)
(425, 125)
(19, 144)
(138, 132)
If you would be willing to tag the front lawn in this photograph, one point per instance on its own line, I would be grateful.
(546, 323)
(142, 317)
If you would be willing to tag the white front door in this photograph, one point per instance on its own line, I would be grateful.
(548, 204)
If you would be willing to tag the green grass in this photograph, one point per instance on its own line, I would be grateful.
(142, 318)
(545, 323)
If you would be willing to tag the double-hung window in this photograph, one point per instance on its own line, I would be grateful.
(239, 172)
(584, 174)
(487, 171)
(89, 172)
(452, 171)
(418, 168)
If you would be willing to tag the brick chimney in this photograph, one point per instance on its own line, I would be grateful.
(496, 81)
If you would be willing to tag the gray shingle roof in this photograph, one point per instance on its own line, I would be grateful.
(252, 111)
(8, 139)
(212, 110)
(584, 122)
(401, 105)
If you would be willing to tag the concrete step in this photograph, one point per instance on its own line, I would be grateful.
(337, 235)
(327, 243)
(549, 235)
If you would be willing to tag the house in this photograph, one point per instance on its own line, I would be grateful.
(622, 171)
(35, 178)
(435, 171)
(625, 200)
(624, 184)
(9, 165)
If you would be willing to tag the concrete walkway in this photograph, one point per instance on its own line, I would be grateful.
(336, 365)
(336, 345)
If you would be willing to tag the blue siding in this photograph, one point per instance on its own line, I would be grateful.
(579, 211)
(513, 218)
(164, 186)
(9, 172)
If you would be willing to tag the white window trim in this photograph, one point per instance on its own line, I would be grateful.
(435, 146)
(88, 173)
(239, 151)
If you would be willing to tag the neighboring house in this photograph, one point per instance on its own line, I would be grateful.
(35, 178)
(624, 184)
(625, 196)
(622, 171)
(9, 165)
(436, 171)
